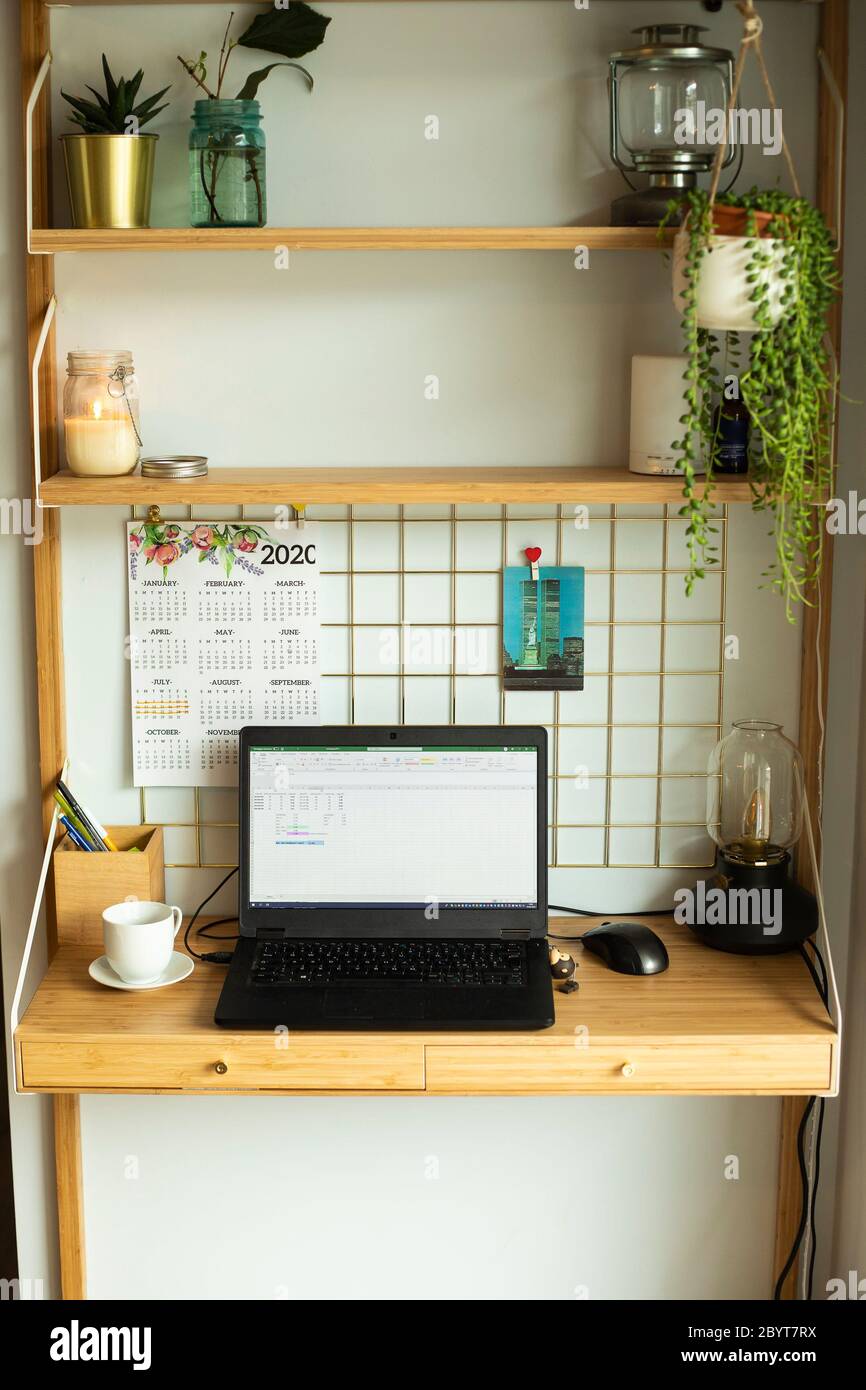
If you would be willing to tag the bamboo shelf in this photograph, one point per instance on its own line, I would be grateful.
(788, 1009)
(715, 1024)
(47, 240)
(358, 485)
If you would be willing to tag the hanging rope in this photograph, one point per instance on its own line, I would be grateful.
(753, 27)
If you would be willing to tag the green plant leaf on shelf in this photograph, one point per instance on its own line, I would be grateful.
(110, 114)
(291, 32)
(133, 85)
(87, 112)
(119, 106)
(110, 84)
(103, 104)
(250, 88)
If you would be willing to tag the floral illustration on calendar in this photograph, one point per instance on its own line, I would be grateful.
(224, 631)
(163, 543)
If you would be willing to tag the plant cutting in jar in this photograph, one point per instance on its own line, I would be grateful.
(763, 263)
(227, 151)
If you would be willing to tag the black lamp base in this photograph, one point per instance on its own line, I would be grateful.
(645, 208)
(753, 909)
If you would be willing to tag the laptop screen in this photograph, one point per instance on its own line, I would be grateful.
(398, 827)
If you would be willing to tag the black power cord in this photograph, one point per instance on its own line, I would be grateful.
(824, 991)
(809, 1200)
(587, 912)
(212, 957)
(804, 1208)
(591, 912)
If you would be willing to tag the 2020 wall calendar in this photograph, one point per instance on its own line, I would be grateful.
(224, 631)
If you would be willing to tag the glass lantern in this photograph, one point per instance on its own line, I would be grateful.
(100, 413)
(755, 794)
(651, 87)
(753, 904)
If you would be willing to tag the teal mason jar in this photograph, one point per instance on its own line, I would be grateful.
(227, 165)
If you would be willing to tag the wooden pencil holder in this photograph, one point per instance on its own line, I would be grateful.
(86, 884)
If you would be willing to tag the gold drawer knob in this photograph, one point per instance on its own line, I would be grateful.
(628, 1068)
(220, 1068)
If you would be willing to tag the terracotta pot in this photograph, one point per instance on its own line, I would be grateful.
(732, 221)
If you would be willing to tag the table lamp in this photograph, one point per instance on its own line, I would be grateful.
(669, 73)
(755, 804)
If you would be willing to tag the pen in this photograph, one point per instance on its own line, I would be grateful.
(67, 811)
(100, 829)
(74, 836)
(82, 816)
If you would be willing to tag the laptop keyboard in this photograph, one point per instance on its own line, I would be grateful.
(429, 963)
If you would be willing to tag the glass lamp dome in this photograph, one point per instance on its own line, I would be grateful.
(755, 793)
(670, 72)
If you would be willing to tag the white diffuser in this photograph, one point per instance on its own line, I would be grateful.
(657, 387)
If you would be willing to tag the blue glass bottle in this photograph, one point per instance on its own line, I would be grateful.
(227, 165)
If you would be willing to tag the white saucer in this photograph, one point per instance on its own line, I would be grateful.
(177, 969)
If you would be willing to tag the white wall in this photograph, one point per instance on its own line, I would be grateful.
(325, 364)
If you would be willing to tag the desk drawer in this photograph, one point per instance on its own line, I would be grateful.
(773, 1068)
(226, 1064)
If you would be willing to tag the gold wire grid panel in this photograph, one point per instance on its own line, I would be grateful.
(606, 568)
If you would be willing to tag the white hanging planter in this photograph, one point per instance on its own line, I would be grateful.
(724, 295)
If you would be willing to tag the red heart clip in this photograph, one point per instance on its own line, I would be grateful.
(533, 554)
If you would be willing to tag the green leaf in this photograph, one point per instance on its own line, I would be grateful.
(119, 108)
(144, 107)
(251, 86)
(103, 104)
(92, 115)
(110, 85)
(133, 85)
(143, 120)
(291, 33)
(109, 116)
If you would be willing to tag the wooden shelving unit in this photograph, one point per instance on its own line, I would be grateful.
(50, 240)
(342, 485)
(464, 1066)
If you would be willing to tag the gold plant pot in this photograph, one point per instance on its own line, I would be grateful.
(109, 178)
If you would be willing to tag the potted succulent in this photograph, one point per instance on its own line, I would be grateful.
(764, 263)
(109, 165)
(227, 144)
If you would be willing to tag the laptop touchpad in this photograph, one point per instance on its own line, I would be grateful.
(373, 1004)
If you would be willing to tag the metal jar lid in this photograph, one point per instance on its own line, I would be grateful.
(174, 466)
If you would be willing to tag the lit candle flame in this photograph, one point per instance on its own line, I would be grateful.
(756, 818)
(97, 410)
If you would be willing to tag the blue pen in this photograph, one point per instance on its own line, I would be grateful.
(74, 836)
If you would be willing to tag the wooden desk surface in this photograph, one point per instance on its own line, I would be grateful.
(711, 1024)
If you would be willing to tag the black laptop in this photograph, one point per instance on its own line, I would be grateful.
(391, 879)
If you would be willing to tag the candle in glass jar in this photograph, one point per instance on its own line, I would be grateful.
(100, 445)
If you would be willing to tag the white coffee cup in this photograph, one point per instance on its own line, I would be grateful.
(139, 939)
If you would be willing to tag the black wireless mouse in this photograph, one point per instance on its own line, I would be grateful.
(629, 947)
